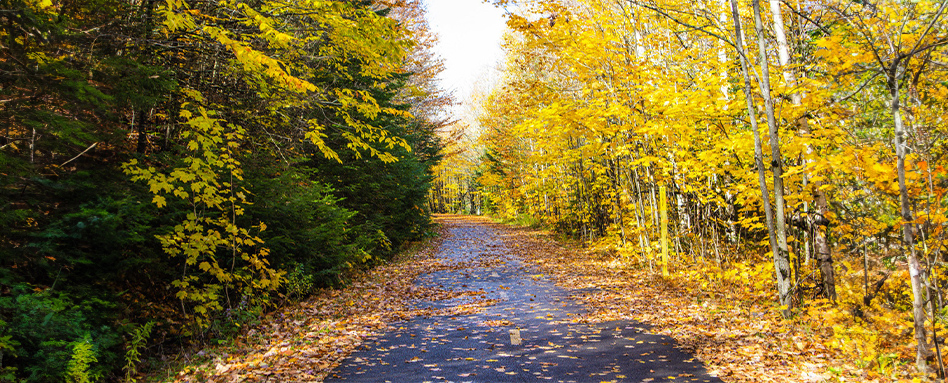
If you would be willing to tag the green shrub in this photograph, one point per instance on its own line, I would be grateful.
(133, 354)
(299, 283)
(66, 285)
(50, 326)
(307, 230)
(83, 357)
(8, 348)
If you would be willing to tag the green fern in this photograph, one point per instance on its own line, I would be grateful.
(132, 354)
(83, 356)
(8, 345)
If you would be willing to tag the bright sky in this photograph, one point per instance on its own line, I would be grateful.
(470, 33)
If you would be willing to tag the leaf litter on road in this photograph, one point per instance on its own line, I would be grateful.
(739, 338)
(305, 343)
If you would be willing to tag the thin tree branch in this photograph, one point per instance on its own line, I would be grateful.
(861, 87)
(80, 154)
(941, 9)
(685, 24)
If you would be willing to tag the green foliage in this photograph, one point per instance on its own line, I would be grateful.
(8, 347)
(83, 357)
(390, 197)
(53, 330)
(298, 283)
(229, 323)
(65, 282)
(140, 86)
(169, 177)
(133, 354)
(308, 232)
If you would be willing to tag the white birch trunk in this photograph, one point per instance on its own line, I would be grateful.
(758, 146)
(782, 256)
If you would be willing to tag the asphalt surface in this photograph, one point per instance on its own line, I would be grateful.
(524, 335)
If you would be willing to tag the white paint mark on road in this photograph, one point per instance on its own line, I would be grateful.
(515, 337)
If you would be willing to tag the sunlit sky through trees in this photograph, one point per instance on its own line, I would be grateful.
(470, 32)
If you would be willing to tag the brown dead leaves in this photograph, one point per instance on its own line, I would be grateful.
(305, 342)
(739, 336)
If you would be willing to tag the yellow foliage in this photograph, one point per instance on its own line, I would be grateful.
(603, 102)
(210, 232)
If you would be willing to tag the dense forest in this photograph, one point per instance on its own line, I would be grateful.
(170, 170)
(795, 151)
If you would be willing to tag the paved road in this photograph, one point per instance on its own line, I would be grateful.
(525, 335)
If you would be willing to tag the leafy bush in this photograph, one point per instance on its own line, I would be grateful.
(307, 231)
(65, 290)
(50, 326)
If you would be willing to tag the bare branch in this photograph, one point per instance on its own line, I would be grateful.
(80, 154)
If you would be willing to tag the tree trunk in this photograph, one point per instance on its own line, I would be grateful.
(817, 223)
(722, 59)
(782, 257)
(758, 147)
(916, 274)
(617, 185)
(644, 240)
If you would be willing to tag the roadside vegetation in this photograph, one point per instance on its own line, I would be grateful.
(171, 171)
